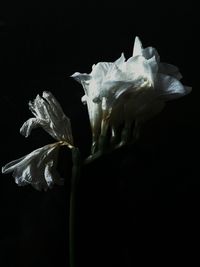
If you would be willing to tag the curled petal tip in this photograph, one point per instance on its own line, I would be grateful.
(46, 93)
(36, 168)
(3, 169)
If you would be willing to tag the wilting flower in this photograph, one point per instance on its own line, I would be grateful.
(50, 116)
(121, 92)
(39, 167)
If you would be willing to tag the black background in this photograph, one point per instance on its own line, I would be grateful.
(136, 207)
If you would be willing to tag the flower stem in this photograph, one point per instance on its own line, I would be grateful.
(72, 208)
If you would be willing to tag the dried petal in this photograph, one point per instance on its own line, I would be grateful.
(50, 116)
(37, 168)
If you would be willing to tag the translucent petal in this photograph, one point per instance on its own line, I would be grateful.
(38, 108)
(150, 52)
(170, 70)
(36, 168)
(29, 125)
(139, 67)
(50, 116)
(153, 64)
(53, 104)
(168, 87)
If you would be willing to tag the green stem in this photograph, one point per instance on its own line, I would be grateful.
(72, 208)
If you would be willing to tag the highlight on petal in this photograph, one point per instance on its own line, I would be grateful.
(137, 48)
(59, 123)
(50, 116)
(168, 88)
(37, 168)
(137, 67)
(29, 125)
(100, 70)
(120, 60)
(120, 92)
(37, 107)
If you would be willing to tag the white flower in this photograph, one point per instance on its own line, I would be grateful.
(48, 115)
(37, 168)
(120, 92)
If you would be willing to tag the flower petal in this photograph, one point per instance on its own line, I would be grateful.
(113, 89)
(29, 125)
(38, 108)
(152, 62)
(50, 116)
(139, 67)
(170, 70)
(150, 52)
(36, 168)
(137, 48)
(84, 99)
(47, 174)
(100, 70)
(120, 60)
(54, 105)
(114, 73)
(81, 77)
(135, 89)
(168, 87)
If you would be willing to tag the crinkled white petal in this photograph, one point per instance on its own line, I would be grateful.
(114, 73)
(112, 90)
(130, 89)
(29, 125)
(36, 168)
(38, 108)
(50, 116)
(53, 105)
(59, 122)
(138, 67)
(168, 87)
